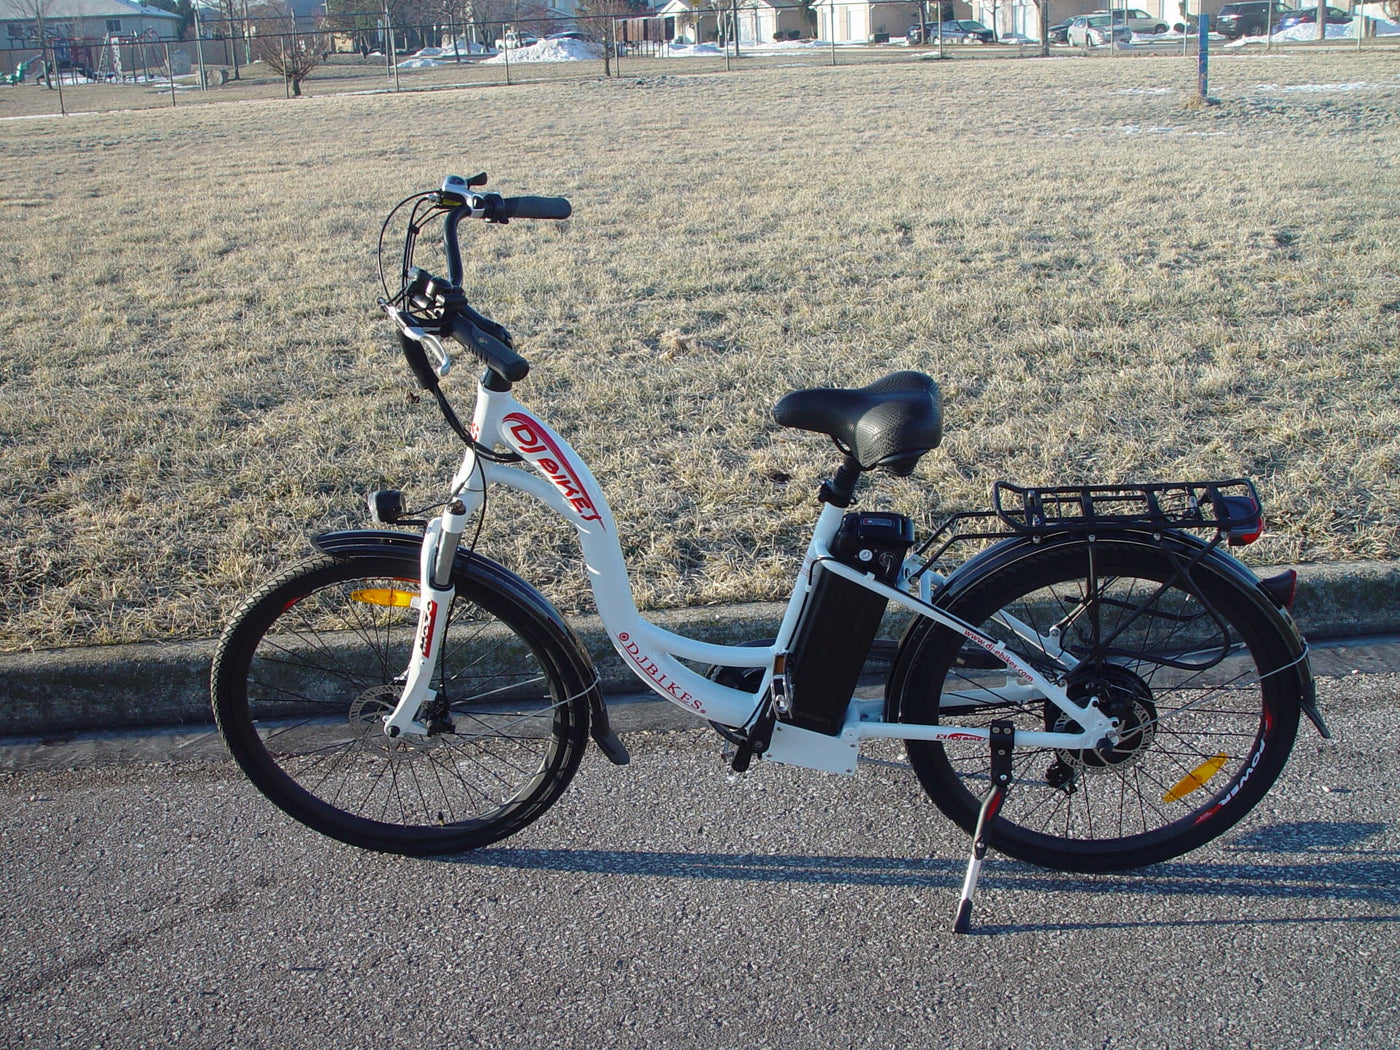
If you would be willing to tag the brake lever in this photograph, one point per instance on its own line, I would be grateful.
(438, 358)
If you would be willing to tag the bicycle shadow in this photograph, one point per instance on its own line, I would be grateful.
(1372, 877)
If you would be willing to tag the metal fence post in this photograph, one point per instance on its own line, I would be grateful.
(58, 74)
(1203, 58)
(199, 51)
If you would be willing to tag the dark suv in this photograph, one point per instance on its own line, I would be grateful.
(1253, 18)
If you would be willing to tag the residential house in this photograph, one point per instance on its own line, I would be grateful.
(764, 21)
(687, 23)
(865, 21)
(85, 20)
(76, 29)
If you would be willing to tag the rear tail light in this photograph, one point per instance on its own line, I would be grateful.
(1241, 518)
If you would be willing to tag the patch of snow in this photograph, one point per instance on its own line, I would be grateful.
(781, 45)
(462, 46)
(1319, 89)
(1187, 34)
(566, 50)
(692, 51)
(1308, 31)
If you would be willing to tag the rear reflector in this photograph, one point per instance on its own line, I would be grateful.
(1282, 589)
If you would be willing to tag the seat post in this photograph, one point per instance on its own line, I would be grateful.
(840, 491)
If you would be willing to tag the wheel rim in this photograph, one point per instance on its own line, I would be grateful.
(324, 674)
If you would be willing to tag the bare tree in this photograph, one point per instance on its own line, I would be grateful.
(285, 48)
(1042, 22)
(38, 10)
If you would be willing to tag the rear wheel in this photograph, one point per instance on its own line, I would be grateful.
(312, 663)
(1197, 672)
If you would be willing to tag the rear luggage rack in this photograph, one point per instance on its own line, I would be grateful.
(1231, 507)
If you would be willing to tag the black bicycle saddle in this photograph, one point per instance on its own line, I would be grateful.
(888, 424)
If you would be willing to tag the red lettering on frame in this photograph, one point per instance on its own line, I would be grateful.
(531, 440)
(649, 668)
(429, 622)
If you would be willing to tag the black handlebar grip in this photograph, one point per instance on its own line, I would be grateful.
(538, 208)
(493, 353)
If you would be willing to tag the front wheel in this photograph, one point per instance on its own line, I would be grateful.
(1196, 668)
(312, 663)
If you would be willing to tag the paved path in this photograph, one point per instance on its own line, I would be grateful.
(670, 904)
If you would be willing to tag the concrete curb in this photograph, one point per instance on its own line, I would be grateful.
(166, 684)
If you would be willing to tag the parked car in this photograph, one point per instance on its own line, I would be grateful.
(1097, 31)
(513, 40)
(1136, 20)
(967, 31)
(1191, 26)
(1308, 16)
(1249, 19)
(955, 31)
(1059, 32)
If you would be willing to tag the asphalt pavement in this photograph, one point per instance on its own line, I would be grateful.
(158, 900)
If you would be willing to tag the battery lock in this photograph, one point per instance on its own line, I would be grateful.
(874, 543)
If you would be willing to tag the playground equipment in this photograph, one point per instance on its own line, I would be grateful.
(134, 58)
(21, 71)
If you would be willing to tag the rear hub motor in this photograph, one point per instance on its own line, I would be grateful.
(1121, 695)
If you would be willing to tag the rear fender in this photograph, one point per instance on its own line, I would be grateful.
(1186, 546)
(469, 565)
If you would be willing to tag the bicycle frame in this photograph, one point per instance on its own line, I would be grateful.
(562, 481)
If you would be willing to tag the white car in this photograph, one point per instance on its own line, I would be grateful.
(1097, 31)
(1136, 20)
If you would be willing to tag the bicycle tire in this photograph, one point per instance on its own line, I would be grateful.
(1229, 723)
(311, 662)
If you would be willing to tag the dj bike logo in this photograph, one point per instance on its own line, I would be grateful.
(532, 442)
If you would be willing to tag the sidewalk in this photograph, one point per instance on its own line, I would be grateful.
(68, 691)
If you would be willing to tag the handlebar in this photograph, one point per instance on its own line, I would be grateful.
(495, 209)
(493, 353)
(448, 313)
(537, 207)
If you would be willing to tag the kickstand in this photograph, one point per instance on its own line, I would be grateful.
(1003, 735)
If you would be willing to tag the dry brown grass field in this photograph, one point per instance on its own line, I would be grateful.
(1109, 286)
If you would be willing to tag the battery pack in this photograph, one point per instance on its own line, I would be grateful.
(841, 620)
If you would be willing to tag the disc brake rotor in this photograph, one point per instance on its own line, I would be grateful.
(1121, 695)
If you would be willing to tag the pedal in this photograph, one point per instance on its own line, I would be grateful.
(754, 743)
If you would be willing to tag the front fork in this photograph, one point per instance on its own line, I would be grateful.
(434, 602)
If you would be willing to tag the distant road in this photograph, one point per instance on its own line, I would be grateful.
(662, 905)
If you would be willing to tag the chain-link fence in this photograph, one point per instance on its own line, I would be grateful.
(268, 58)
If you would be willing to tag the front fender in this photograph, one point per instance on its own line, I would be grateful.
(482, 570)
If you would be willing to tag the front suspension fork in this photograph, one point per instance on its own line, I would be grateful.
(436, 591)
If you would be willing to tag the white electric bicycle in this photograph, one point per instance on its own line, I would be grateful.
(1100, 686)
